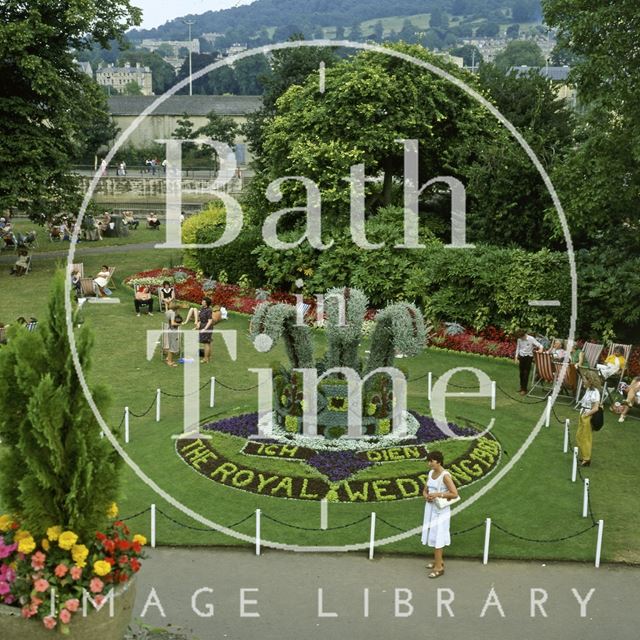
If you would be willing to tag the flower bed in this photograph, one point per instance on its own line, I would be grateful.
(491, 341)
(48, 578)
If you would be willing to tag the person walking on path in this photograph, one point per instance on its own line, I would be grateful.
(435, 526)
(588, 406)
(524, 357)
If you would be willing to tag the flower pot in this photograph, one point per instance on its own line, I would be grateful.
(98, 625)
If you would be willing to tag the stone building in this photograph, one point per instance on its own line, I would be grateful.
(117, 78)
(163, 121)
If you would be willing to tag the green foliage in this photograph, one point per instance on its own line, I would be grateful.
(44, 98)
(492, 286)
(601, 177)
(235, 258)
(520, 53)
(132, 89)
(211, 220)
(344, 338)
(55, 468)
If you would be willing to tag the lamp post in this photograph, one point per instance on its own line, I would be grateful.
(190, 22)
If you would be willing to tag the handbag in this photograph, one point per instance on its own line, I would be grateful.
(442, 503)
(597, 420)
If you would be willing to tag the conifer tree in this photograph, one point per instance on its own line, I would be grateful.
(54, 467)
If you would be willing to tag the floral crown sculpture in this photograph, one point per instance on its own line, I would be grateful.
(398, 329)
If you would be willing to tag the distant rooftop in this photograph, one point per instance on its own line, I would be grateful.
(191, 105)
(557, 74)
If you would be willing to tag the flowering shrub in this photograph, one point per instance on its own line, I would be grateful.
(467, 341)
(49, 578)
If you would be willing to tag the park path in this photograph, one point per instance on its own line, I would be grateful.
(287, 597)
(10, 258)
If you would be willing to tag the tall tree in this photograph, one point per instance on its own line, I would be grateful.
(44, 97)
(54, 467)
(601, 179)
(520, 53)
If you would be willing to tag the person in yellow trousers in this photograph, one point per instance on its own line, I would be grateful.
(588, 406)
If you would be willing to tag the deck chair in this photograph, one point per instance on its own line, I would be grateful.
(87, 288)
(591, 352)
(32, 326)
(79, 267)
(614, 380)
(3, 335)
(568, 382)
(111, 283)
(544, 373)
(10, 242)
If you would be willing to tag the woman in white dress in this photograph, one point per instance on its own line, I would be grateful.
(435, 527)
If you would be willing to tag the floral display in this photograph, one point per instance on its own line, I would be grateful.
(339, 458)
(49, 578)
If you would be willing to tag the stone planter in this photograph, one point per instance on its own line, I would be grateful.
(98, 625)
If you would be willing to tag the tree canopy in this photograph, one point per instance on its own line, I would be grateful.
(45, 99)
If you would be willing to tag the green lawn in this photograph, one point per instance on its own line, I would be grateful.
(535, 500)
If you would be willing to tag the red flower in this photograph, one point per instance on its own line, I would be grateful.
(135, 565)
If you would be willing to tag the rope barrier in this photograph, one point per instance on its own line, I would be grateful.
(142, 415)
(519, 537)
(136, 515)
(182, 395)
(295, 526)
(475, 526)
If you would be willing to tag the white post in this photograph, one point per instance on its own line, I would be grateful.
(585, 498)
(258, 512)
(372, 537)
(565, 447)
(599, 543)
(487, 538)
(324, 514)
(153, 526)
(126, 425)
(212, 393)
(574, 468)
(429, 384)
(158, 392)
(547, 418)
(493, 395)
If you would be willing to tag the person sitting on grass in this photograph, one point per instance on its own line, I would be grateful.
(152, 221)
(633, 397)
(129, 220)
(21, 266)
(101, 281)
(613, 363)
(142, 298)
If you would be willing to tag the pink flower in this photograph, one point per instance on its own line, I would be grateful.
(26, 612)
(41, 585)
(4, 588)
(96, 585)
(37, 560)
(76, 573)
(99, 599)
(6, 549)
(61, 570)
(73, 604)
(65, 616)
(49, 622)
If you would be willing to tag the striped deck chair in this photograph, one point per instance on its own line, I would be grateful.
(87, 288)
(543, 374)
(614, 380)
(591, 351)
(112, 283)
(568, 382)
